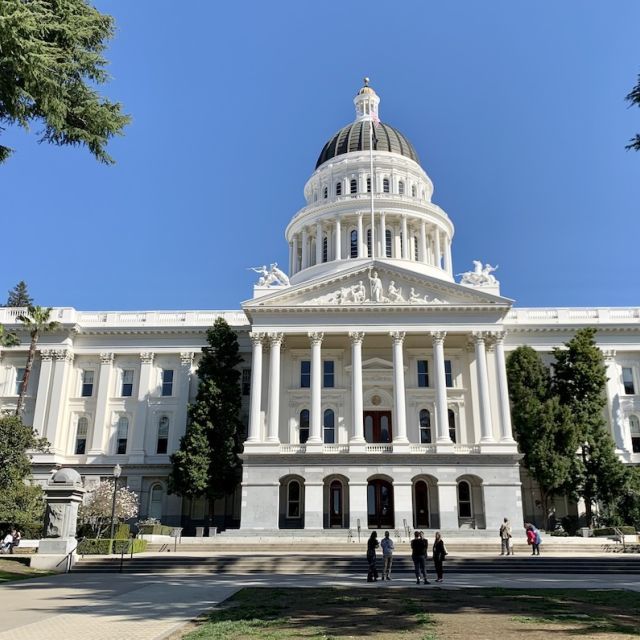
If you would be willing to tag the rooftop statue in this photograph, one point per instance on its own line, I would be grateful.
(271, 277)
(480, 276)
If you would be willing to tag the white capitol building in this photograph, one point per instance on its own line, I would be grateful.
(374, 384)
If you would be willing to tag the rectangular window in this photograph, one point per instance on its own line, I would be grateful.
(127, 383)
(246, 382)
(305, 374)
(627, 381)
(423, 373)
(328, 378)
(19, 377)
(448, 373)
(122, 435)
(81, 436)
(163, 435)
(167, 382)
(87, 384)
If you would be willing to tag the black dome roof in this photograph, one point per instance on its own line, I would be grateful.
(355, 137)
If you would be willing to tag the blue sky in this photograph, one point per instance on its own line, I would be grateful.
(516, 110)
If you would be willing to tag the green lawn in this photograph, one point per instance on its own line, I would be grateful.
(18, 569)
(421, 613)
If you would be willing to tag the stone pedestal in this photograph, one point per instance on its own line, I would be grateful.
(63, 495)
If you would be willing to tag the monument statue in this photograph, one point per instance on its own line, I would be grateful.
(481, 276)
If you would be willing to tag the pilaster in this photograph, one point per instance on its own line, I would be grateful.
(273, 416)
(43, 392)
(315, 431)
(400, 441)
(357, 442)
(184, 384)
(102, 402)
(140, 420)
(61, 369)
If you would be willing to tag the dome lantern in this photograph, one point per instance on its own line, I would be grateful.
(366, 103)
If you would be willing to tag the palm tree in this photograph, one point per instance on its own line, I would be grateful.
(8, 339)
(38, 321)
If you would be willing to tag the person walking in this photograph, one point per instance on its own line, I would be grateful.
(505, 538)
(17, 536)
(534, 539)
(419, 548)
(387, 555)
(372, 545)
(439, 554)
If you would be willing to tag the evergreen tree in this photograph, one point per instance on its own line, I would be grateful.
(51, 53)
(542, 426)
(634, 98)
(8, 338)
(19, 296)
(21, 503)
(579, 381)
(207, 462)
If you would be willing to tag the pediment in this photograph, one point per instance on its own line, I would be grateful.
(376, 285)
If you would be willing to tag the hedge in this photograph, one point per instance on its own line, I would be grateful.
(122, 531)
(610, 531)
(155, 529)
(104, 546)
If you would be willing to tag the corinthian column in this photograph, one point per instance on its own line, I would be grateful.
(483, 387)
(275, 342)
(357, 436)
(316, 388)
(506, 433)
(398, 388)
(442, 416)
(102, 401)
(338, 241)
(256, 387)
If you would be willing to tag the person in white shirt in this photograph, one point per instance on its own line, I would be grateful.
(387, 555)
(7, 542)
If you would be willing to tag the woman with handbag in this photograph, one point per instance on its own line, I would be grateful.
(439, 554)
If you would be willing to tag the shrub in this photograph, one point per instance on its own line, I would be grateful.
(122, 531)
(102, 546)
(610, 531)
(559, 534)
(155, 529)
(570, 524)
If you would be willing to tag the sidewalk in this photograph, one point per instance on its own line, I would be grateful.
(115, 606)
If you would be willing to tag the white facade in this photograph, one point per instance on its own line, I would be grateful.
(374, 385)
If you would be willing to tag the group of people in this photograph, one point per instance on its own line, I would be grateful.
(534, 539)
(10, 541)
(419, 554)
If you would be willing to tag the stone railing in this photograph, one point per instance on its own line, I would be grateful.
(466, 448)
(379, 448)
(335, 448)
(293, 448)
(422, 448)
(567, 315)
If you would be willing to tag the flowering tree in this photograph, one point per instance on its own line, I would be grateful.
(96, 510)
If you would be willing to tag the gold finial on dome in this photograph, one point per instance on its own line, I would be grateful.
(366, 89)
(366, 81)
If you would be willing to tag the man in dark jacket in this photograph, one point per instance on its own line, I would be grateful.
(419, 548)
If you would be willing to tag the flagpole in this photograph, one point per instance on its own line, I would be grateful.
(372, 184)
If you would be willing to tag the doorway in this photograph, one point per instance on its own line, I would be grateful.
(421, 498)
(336, 504)
(377, 426)
(379, 504)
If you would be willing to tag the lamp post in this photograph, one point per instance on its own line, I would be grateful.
(117, 470)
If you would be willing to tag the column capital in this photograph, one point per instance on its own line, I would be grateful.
(499, 336)
(186, 358)
(46, 355)
(397, 336)
(438, 336)
(147, 357)
(479, 336)
(106, 357)
(609, 354)
(256, 337)
(356, 337)
(275, 339)
(63, 354)
(315, 337)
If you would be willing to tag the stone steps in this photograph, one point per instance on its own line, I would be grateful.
(355, 564)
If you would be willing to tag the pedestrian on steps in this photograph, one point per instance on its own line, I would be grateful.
(439, 554)
(387, 555)
(419, 548)
(372, 545)
(505, 538)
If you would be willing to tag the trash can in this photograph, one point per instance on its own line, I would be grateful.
(199, 532)
(213, 531)
(585, 532)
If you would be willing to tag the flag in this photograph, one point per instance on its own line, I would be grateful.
(375, 123)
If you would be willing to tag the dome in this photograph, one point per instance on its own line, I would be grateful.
(355, 137)
(67, 476)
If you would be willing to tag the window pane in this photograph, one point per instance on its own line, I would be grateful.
(87, 384)
(354, 186)
(423, 373)
(368, 185)
(448, 374)
(127, 382)
(246, 382)
(304, 426)
(81, 445)
(452, 424)
(167, 382)
(325, 249)
(401, 187)
(305, 374)
(19, 377)
(464, 492)
(338, 188)
(329, 426)
(369, 243)
(328, 373)
(627, 380)
(387, 234)
(354, 244)
(385, 185)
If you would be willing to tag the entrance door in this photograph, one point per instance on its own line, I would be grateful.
(380, 504)
(335, 504)
(377, 426)
(422, 504)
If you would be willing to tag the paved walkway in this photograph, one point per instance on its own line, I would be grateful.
(115, 606)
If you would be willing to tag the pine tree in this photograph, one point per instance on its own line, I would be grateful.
(19, 296)
(207, 462)
(51, 63)
(579, 381)
(542, 426)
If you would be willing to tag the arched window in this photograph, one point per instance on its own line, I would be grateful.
(425, 426)
(368, 185)
(354, 244)
(155, 501)
(329, 427)
(325, 249)
(338, 188)
(293, 499)
(304, 426)
(385, 185)
(122, 435)
(634, 428)
(81, 436)
(401, 188)
(387, 242)
(353, 186)
(163, 435)
(464, 499)
(369, 243)
(325, 193)
(414, 191)
(452, 424)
